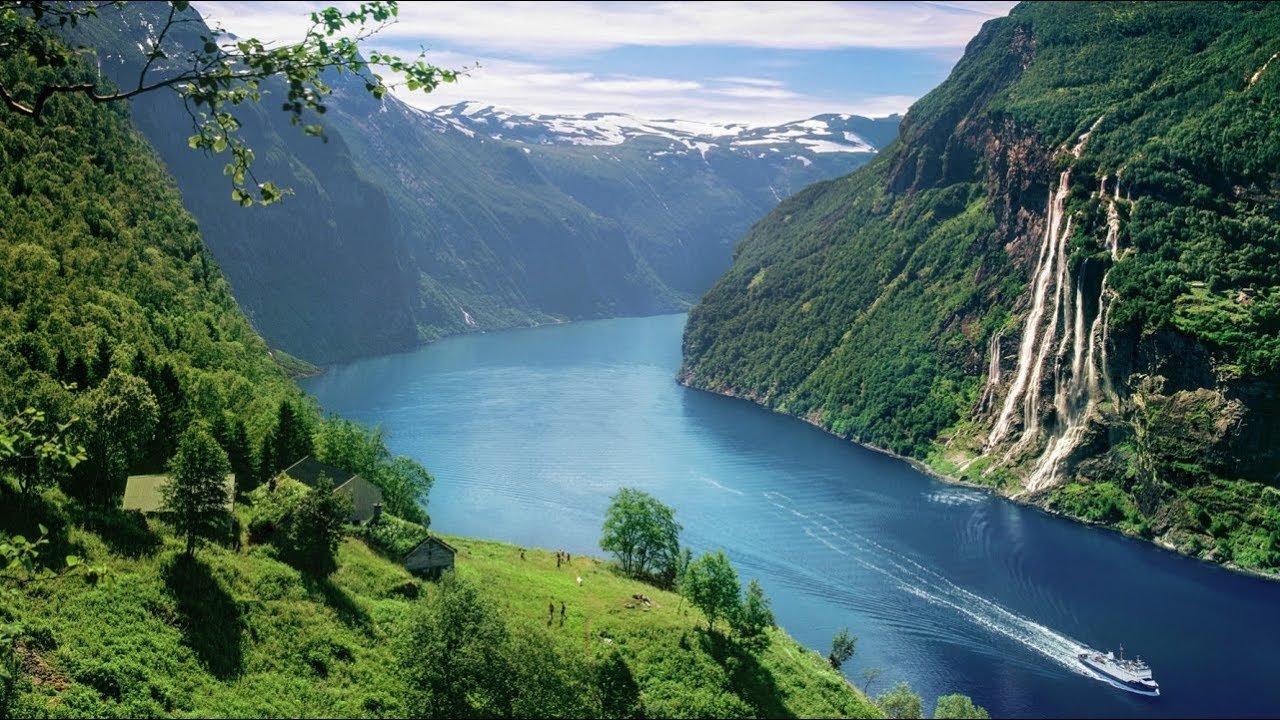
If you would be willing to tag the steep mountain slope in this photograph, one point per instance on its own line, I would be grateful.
(1062, 283)
(680, 192)
(109, 297)
(408, 226)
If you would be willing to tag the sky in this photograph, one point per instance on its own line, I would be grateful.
(755, 63)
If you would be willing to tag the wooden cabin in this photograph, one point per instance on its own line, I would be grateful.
(431, 558)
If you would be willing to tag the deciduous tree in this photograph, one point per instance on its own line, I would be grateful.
(960, 707)
(843, 645)
(642, 533)
(755, 615)
(215, 76)
(315, 528)
(900, 703)
(712, 586)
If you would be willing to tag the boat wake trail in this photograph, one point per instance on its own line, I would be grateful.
(927, 584)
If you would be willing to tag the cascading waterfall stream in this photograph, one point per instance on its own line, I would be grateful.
(1080, 388)
(1065, 336)
(1045, 276)
(993, 371)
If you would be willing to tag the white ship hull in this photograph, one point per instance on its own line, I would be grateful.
(1104, 668)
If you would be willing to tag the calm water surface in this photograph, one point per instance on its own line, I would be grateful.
(528, 432)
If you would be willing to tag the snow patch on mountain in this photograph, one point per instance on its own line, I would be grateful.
(831, 133)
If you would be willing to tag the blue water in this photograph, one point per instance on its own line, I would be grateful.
(528, 432)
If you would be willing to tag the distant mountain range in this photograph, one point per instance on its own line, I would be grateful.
(411, 225)
(799, 140)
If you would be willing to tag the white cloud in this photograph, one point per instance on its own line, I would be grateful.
(761, 82)
(516, 44)
(532, 88)
(564, 28)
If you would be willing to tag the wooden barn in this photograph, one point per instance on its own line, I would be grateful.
(366, 498)
(431, 558)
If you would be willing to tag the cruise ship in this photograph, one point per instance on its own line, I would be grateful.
(1132, 675)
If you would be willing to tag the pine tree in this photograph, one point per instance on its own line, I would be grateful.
(292, 439)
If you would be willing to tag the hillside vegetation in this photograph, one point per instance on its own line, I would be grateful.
(240, 633)
(112, 311)
(890, 306)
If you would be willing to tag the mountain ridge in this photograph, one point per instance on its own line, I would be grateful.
(1060, 284)
(403, 229)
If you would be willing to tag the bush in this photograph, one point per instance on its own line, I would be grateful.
(900, 702)
(392, 536)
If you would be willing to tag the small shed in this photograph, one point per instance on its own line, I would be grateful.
(365, 496)
(145, 493)
(431, 558)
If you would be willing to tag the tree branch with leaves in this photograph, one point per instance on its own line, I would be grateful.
(215, 76)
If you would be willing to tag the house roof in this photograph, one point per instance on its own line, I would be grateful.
(144, 492)
(437, 541)
(308, 471)
(364, 494)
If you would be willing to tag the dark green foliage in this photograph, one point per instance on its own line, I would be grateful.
(843, 646)
(119, 414)
(900, 702)
(195, 498)
(234, 439)
(711, 585)
(34, 453)
(271, 511)
(303, 524)
(291, 439)
(642, 534)
(405, 483)
(958, 707)
(391, 536)
(450, 656)
(1102, 502)
(754, 616)
(867, 304)
(315, 528)
(101, 267)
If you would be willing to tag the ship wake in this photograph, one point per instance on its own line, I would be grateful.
(925, 583)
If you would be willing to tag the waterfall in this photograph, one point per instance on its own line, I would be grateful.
(1068, 340)
(993, 370)
(1044, 278)
(1076, 397)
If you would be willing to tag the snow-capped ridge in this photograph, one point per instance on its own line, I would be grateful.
(829, 133)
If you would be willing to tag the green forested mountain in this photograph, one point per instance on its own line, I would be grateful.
(1063, 281)
(405, 227)
(113, 310)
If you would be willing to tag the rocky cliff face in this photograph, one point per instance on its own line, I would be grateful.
(1062, 284)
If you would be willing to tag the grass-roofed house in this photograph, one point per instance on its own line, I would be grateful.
(366, 498)
(145, 493)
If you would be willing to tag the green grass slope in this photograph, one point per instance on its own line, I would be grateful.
(238, 633)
